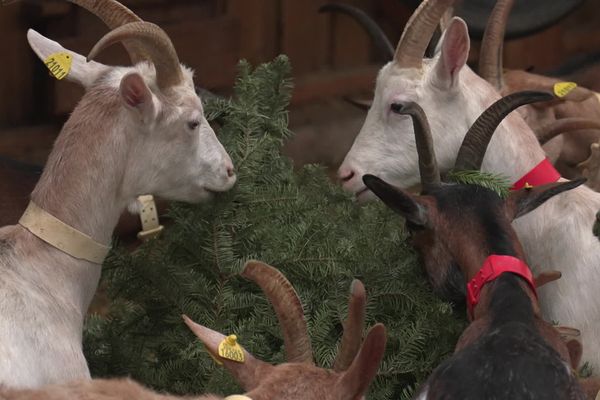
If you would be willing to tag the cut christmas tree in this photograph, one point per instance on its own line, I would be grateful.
(296, 221)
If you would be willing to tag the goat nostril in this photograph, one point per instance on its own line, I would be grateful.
(346, 175)
(230, 172)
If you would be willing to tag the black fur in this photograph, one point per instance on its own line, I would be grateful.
(481, 204)
(510, 361)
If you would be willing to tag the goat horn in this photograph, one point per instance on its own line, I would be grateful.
(446, 18)
(381, 41)
(155, 42)
(490, 58)
(546, 277)
(564, 125)
(353, 327)
(418, 32)
(115, 14)
(474, 145)
(288, 308)
(428, 166)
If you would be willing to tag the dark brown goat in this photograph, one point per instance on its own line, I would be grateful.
(298, 379)
(508, 351)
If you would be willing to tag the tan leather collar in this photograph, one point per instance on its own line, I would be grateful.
(62, 236)
(237, 397)
(149, 218)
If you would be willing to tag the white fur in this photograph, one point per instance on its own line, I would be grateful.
(107, 154)
(558, 235)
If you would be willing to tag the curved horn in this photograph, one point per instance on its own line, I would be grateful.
(114, 15)
(155, 42)
(428, 166)
(475, 143)
(418, 32)
(288, 308)
(490, 58)
(353, 327)
(381, 41)
(564, 125)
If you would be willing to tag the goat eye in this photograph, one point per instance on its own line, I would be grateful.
(193, 125)
(396, 108)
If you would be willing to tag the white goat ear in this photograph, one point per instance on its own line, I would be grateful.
(455, 51)
(81, 72)
(136, 94)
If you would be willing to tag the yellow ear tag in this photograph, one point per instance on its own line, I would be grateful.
(59, 64)
(231, 350)
(561, 89)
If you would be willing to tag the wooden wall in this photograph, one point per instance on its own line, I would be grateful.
(331, 56)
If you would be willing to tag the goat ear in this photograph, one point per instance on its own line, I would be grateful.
(354, 382)
(248, 373)
(522, 201)
(81, 72)
(402, 202)
(136, 94)
(455, 50)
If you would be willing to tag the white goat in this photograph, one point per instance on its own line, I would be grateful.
(556, 236)
(137, 130)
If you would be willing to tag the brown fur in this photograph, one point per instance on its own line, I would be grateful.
(572, 148)
(98, 389)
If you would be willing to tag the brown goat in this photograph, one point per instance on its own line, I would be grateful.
(354, 368)
(508, 351)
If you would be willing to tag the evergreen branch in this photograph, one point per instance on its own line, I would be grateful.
(499, 184)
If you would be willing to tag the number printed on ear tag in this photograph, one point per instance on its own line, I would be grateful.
(561, 89)
(59, 64)
(231, 350)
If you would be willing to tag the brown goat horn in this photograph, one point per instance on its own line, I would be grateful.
(353, 327)
(418, 32)
(446, 18)
(428, 166)
(546, 277)
(288, 308)
(381, 41)
(492, 44)
(564, 125)
(155, 42)
(115, 14)
(474, 145)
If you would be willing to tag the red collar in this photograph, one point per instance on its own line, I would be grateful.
(492, 268)
(541, 174)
